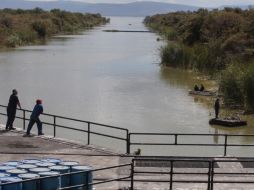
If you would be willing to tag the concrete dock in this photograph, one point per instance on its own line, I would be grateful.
(16, 147)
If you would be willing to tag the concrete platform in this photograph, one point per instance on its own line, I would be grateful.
(16, 147)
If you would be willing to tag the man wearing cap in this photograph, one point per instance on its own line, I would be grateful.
(34, 118)
(11, 109)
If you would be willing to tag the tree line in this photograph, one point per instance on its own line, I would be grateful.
(22, 27)
(216, 42)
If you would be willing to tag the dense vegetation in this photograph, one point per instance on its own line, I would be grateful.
(218, 42)
(22, 27)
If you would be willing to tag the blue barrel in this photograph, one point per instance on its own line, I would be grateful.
(26, 166)
(52, 160)
(5, 168)
(39, 170)
(82, 178)
(69, 163)
(64, 180)
(29, 185)
(45, 164)
(16, 172)
(12, 163)
(30, 161)
(4, 175)
(16, 186)
(52, 183)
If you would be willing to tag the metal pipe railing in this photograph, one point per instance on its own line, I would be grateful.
(127, 137)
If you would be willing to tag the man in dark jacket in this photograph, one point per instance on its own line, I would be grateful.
(34, 118)
(11, 109)
(217, 107)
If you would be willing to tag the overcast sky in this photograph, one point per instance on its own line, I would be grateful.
(214, 3)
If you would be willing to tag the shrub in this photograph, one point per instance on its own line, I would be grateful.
(13, 41)
(231, 84)
(41, 28)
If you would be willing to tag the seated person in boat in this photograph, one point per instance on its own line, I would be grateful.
(196, 88)
(202, 88)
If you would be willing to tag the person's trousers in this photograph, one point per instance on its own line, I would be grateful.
(31, 123)
(216, 113)
(11, 114)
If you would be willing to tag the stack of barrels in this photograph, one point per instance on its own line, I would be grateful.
(44, 174)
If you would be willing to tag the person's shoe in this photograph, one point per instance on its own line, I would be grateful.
(12, 128)
(7, 129)
(40, 134)
(27, 135)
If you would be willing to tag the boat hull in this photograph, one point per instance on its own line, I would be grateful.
(227, 123)
(202, 93)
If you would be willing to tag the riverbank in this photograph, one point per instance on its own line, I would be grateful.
(218, 43)
(26, 27)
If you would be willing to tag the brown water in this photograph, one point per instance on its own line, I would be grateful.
(111, 78)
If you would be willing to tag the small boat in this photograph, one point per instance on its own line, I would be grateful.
(227, 122)
(202, 93)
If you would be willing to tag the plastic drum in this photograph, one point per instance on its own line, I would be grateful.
(30, 161)
(51, 183)
(16, 186)
(29, 185)
(52, 160)
(69, 163)
(16, 172)
(5, 168)
(64, 180)
(4, 175)
(45, 164)
(12, 163)
(81, 178)
(39, 170)
(26, 166)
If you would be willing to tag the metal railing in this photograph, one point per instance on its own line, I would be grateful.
(132, 140)
(81, 175)
(88, 125)
(178, 139)
(209, 176)
(175, 174)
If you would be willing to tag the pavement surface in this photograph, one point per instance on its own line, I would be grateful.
(16, 147)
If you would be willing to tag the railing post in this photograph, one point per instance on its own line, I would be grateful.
(88, 134)
(24, 119)
(225, 145)
(171, 175)
(209, 176)
(132, 175)
(212, 175)
(54, 126)
(176, 135)
(128, 137)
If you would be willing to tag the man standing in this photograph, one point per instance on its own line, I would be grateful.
(11, 109)
(217, 107)
(34, 118)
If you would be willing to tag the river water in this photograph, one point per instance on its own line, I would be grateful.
(107, 77)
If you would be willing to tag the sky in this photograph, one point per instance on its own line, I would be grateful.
(202, 3)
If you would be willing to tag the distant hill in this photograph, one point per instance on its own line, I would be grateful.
(143, 8)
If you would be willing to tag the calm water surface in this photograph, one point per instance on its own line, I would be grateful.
(111, 78)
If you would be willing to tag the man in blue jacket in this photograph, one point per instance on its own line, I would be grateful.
(34, 118)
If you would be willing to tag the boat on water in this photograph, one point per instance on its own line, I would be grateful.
(227, 122)
(202, 93)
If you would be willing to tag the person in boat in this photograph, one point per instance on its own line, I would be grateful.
(217, 107)
(196, 88)
(202, 88)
